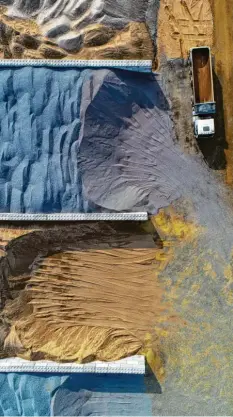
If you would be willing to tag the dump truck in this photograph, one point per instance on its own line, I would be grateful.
(203, 104)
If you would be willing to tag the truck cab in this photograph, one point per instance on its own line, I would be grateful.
(204, 127)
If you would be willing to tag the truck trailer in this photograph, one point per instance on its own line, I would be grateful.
(203, 103)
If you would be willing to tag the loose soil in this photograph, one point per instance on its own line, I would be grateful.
(223, 50)
(183, 25)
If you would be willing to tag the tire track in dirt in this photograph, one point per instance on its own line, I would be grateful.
(183, 25)
(223, 50)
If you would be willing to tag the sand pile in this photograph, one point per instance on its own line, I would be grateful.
(77, 304)
(184, 24)
(89, 29)
(72, 15)
(98, 42)
(82, 306)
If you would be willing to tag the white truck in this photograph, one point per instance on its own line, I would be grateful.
(204, 106)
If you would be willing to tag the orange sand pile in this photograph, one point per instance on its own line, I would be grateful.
(184, 24)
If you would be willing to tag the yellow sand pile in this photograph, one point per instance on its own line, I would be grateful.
(95, 304)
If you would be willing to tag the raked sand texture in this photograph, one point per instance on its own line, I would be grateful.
(40, 123)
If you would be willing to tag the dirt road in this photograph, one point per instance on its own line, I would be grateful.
(223, 33)
(183, 25)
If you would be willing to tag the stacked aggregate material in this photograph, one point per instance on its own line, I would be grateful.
(86, 29)
(139, 152)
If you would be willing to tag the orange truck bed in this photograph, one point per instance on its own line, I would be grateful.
(202, 75)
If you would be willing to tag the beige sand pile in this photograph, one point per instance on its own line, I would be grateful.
(80, 292)
(86, 305)
(184, 24)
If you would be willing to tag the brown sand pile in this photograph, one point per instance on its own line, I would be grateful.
(184, 24)
(25, 26)
(87, 305)
(99, 42)
(80, 292)
(133, 42)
